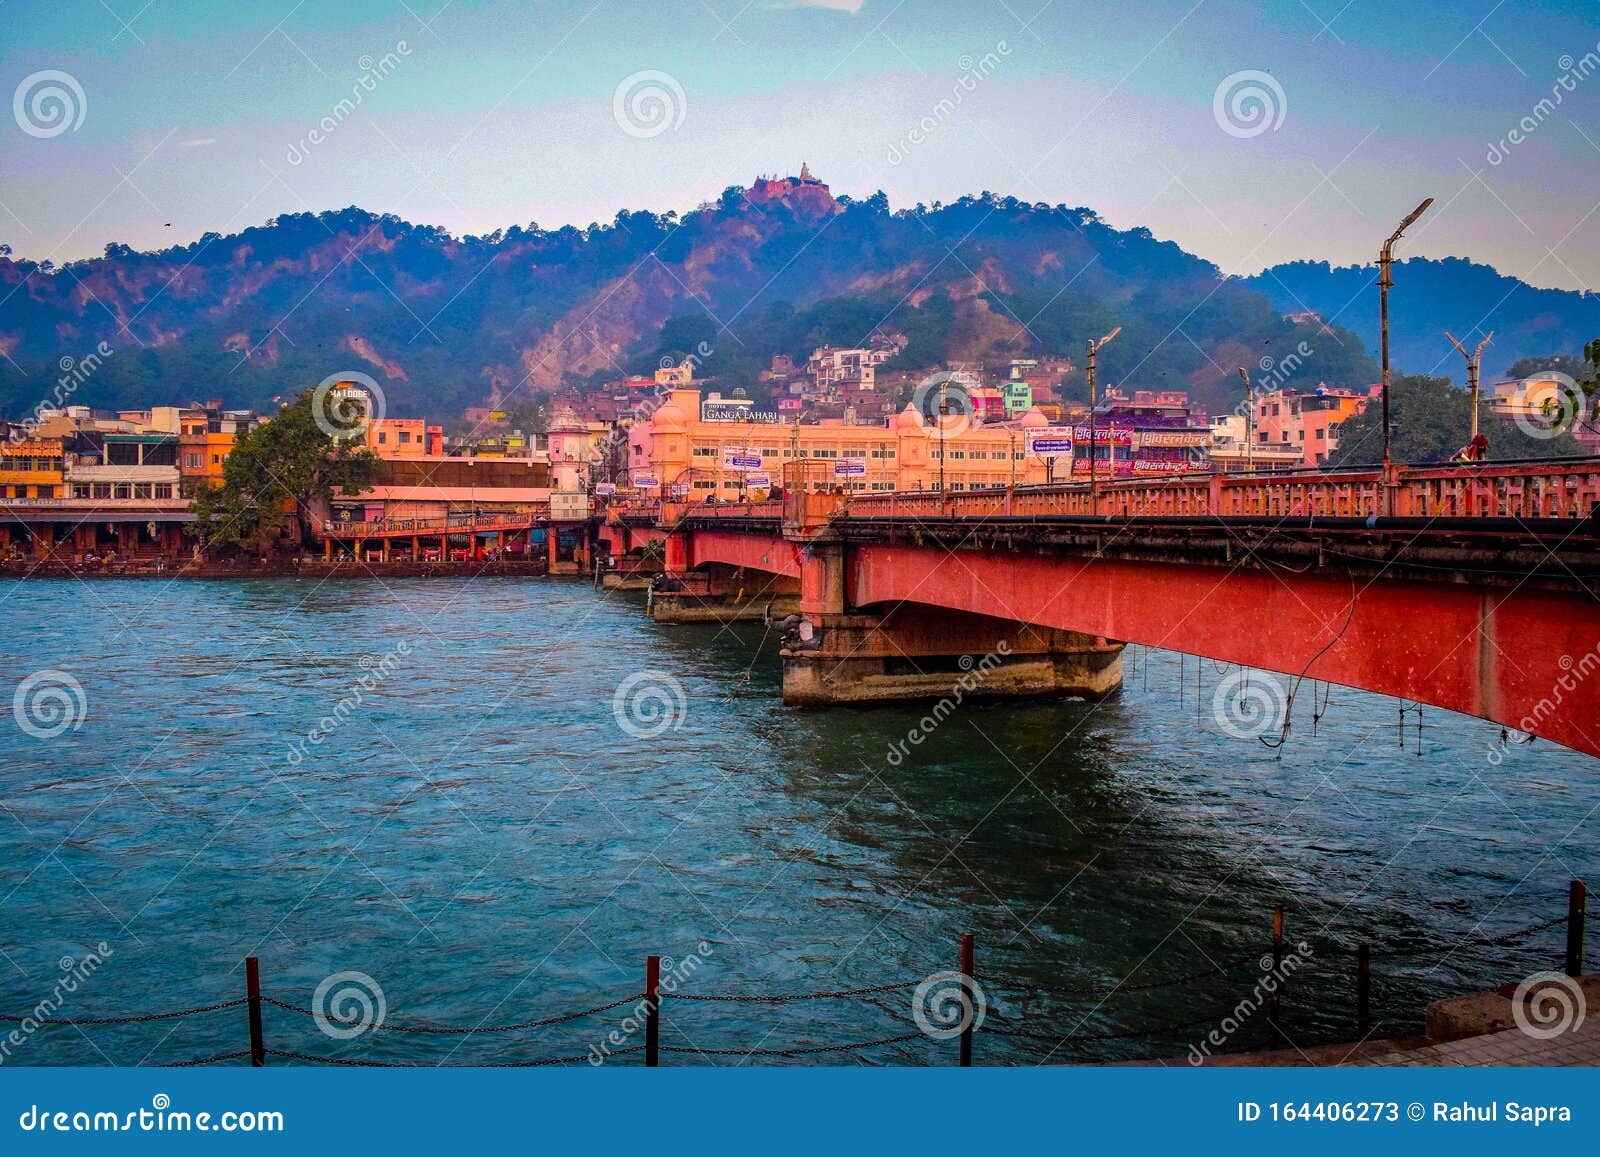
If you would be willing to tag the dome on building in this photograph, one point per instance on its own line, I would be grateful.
(668, 417)
(1033, 419)
(909, 419)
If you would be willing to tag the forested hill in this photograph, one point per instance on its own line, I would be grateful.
(1431, 297)
(446, 322)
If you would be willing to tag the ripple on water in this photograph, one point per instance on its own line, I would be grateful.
(478, 833)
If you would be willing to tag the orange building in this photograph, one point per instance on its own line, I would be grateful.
(1306, 422)
(676, 451)
(31, 469)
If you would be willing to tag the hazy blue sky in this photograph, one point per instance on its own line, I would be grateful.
(495, 112)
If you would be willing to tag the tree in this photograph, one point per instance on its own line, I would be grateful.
(1430, 420)
(1548, 363)
(277, 482)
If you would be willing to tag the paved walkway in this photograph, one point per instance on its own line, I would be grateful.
(1512, 1046)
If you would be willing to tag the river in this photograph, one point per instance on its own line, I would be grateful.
(426, 782)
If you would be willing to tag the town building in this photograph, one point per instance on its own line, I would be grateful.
(678, 454)
(1307, 421)
(1147, 433)
(1231, 452)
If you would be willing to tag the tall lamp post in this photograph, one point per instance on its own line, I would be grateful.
(1385, 283)
(1094, 399)
(1249, 422)
(1474, 361)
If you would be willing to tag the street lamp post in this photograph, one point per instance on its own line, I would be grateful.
(1094, 399)
(1385, 283)
(1249, 421)
(1474, 361)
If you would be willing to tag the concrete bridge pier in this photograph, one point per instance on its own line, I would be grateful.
(721, 595)
(915, 651)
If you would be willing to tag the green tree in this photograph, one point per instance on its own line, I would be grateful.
(277, 482)
(1431, 420)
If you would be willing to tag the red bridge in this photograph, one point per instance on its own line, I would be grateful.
(1471, 588)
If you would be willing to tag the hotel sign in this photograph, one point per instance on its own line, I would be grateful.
(734, 412)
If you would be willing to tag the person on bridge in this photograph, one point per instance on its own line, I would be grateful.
(1473, 451)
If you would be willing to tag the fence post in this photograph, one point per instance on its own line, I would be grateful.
(969, 995)
(1363, 988)
(1577, 912)
(652, 1011)
(252, 986)
(1277, 962)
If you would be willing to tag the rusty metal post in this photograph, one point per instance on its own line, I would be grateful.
(1577, 913)
(967, 980)
(1277, 961)
(652, 1012)
(252, 988)
(1364, 988)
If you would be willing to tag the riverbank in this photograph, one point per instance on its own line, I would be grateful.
(276, 568)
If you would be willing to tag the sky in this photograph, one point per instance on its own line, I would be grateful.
(1249, 133)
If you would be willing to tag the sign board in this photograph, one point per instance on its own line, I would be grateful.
(741, 458)
(850, 468)
(605, 489)
(646, 481)
(1050, 441)
(1105, 435)
(734, 411)
(679, 489)
(759, 481)
(1174, 437)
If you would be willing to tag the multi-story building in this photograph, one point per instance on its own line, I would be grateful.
(206, 435)
(1542, 401)
(678, 454)
(1151, 432)
(31, 469)
(1230, 452)
(1307, 422)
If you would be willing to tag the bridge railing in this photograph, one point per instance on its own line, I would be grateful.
(1565, 489)
(450, 524)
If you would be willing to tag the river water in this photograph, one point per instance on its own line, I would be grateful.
(427, 782)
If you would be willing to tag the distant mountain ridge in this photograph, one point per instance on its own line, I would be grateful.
(1431, 296)
(444, 323)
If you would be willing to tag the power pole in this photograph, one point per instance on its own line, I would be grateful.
(1474, 361)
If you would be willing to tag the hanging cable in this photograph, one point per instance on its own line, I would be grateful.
(1288, 705)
